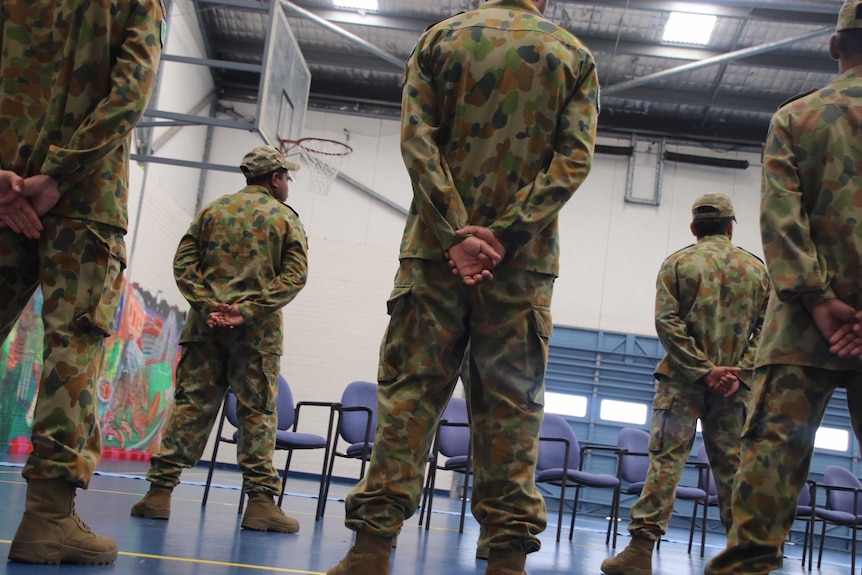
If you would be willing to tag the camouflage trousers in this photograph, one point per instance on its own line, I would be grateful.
(79, 266)
(204, 373)
(432, 317)
(777, 444)
(676, 408)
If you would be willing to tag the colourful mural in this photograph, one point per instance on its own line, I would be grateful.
(135, 390)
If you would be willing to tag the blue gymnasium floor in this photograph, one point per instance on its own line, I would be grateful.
(208, 541)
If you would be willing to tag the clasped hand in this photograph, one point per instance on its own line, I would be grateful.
(475, 257)
(23, 201)
(225, 316)
(842, 326)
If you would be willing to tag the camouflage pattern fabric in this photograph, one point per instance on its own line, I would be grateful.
(777, 446)
(810, 208)
(505, 394)
(498, 120)
(204, 372)
(79, 267)
(247, 249)
(76, 78)
(499, 112)
(710, 300)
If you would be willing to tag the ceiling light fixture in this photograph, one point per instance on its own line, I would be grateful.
(687, 28)
(356, 4)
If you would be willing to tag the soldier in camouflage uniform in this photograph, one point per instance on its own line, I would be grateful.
(76, 78)
(710, 301)
(499, 115)
(243, 258)
(811, 207)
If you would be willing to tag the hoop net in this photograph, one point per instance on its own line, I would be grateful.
(324, 159)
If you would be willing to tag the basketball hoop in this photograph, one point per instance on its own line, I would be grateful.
(323, 157)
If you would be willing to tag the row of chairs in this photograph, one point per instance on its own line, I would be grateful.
(353, 420)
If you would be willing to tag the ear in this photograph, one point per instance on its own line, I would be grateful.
(834, 52)
(691, 227)
(273, 180)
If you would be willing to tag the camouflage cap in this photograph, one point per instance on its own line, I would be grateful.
(712, 207)
(849, 17)
(264, 160)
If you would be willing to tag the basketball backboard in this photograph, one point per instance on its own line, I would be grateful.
(284, 84)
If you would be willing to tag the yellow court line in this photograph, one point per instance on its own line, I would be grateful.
(209, 562)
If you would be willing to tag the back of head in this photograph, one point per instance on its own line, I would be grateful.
(264, 160)
(849, 29)
(710, 214)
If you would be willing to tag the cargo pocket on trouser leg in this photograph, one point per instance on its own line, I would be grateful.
(544, 329)
(661, 411)
(100, 280)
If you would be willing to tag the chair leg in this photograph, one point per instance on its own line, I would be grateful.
(822, 538)
(327, 479)
(324, 486)
(703, 528)
(561, 510)
(430, 500)
(464, 489)
(691, 527)
(284, 477)
(615, 517)
(222, 417)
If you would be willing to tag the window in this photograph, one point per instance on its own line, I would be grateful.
(832, 439)
(566, 404)
(623, 411)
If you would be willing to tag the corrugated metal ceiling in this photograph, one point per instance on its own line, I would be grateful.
(761, 53)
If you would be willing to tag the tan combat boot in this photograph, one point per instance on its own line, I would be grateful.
(262, 514)
(369, 556)
(506, 562)
(156, 504)
(52, 532)
(636, 559)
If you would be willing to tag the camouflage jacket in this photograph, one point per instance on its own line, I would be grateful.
(498, 124)
(811, 209)
(709, 306)
(247, 249)
(76, 78)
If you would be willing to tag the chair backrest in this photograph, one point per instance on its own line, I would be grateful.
(702, 457)
(841, 500)
(455, 440)
(284, 405)
(552, 453)
(353, 423)
(634, 468)
(804, 496)
(230, 410)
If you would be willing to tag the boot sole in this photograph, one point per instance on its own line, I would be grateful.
(262, 525)
(52, 553)
(152, 513)
(625, 571)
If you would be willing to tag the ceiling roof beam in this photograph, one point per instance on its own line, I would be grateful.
(735, 55)
(364, 44)
(810, 12)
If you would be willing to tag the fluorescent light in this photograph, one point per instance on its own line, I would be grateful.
(688, 28)
(356, 4)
